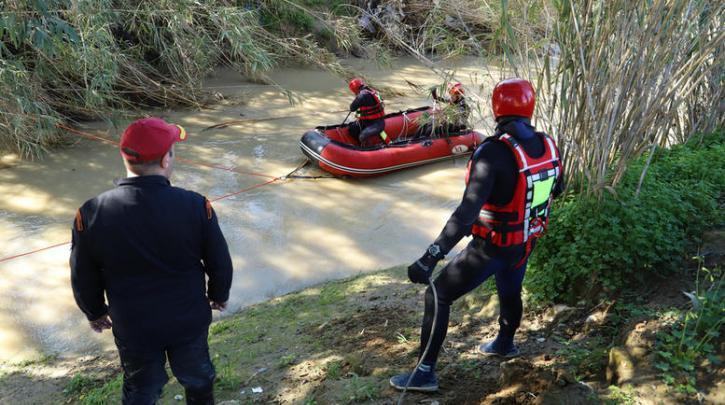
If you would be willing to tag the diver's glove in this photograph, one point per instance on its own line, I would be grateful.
(420, 271)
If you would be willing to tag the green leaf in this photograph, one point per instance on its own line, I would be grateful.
(662, 366)
(666, 355)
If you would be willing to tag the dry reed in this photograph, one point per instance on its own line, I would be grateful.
(68, 60)
(617, 78)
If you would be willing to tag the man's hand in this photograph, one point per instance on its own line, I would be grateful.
(420, 271)
(101, 323)
(219, 306)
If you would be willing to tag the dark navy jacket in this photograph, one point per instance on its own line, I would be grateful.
(148, 246)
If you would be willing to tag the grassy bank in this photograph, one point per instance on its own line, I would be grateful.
(340, 342)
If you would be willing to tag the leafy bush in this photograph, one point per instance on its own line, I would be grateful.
(695, 335)
(603, 244)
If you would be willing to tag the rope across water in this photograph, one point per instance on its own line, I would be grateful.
(270, 180)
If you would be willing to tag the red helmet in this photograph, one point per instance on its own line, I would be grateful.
(355, 85)
(513, 97)
(456, 88)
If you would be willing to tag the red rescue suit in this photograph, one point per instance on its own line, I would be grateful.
(526, 216)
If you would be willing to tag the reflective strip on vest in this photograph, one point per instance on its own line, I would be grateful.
(515, 223)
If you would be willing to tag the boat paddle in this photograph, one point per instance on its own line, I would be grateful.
(346, 117)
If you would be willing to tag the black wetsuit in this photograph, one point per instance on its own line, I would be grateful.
(492, 179)
(366, 131)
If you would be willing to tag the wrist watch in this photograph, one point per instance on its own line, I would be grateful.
(435, 250)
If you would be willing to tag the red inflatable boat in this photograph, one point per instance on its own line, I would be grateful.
(336, 152)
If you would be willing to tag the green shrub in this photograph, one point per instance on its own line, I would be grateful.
(695, 335)
(603, 244)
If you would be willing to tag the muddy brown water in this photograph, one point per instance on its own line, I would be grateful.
(282, 237)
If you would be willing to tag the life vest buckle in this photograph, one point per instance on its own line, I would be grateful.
(537, 227)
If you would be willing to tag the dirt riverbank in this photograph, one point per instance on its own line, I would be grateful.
(339, 342)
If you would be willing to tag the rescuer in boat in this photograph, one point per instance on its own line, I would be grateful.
(511, 181)
(453, 117)
(368, 105)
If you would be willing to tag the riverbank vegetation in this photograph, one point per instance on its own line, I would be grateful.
(615, 78)
(648, 226)
(79, 60)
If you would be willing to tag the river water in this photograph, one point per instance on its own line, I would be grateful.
(282, 237)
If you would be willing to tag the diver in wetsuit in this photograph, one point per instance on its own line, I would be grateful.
(370, 111)
(512, 178)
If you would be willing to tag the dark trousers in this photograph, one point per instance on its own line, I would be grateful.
(464, 273)
(144, 371)
(367, 132)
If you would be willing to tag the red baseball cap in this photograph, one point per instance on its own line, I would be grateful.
(149, 139)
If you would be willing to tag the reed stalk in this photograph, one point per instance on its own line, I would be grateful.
(64, 60)
(616, 77)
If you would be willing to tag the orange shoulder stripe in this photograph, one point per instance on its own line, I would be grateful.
(209, 209)
(79, 221)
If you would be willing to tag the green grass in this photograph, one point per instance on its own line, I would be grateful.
(359, 389)
(333, 370)
(79, 384)
(107, 393)
(585, 359)
(228, 376)
(42, 360)
(620, 396)
(253, 337)
(286, 360)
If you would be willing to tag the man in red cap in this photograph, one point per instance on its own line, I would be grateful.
(511, 181)
(149, 248)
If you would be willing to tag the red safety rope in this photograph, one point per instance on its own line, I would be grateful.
(273, 179)
(182, 160)
(5, 259)
(245, 189)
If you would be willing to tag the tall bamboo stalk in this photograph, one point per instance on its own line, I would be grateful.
(630, 74)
